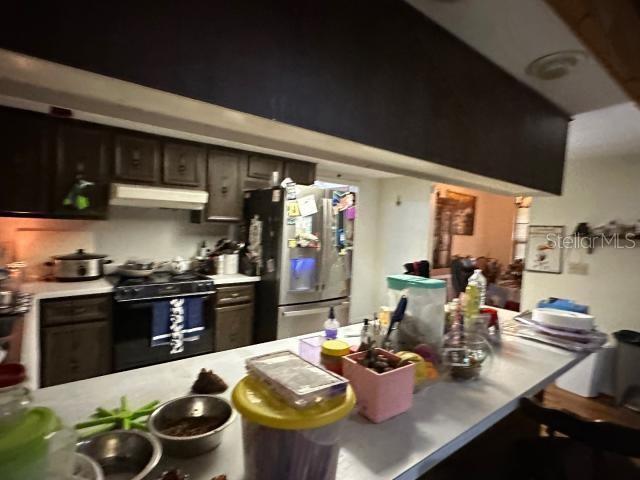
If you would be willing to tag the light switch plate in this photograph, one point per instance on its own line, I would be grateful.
(579, 268)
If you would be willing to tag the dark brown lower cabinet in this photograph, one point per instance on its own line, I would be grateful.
(234, 317)
(234, 326)
(75, 352)
(75, 339)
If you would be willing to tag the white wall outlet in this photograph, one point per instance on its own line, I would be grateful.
(579, 268)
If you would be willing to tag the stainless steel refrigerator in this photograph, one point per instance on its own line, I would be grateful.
(305, 263)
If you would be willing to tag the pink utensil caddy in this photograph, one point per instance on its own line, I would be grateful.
(380, 396)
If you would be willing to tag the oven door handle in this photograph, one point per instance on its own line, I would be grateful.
(168, 297)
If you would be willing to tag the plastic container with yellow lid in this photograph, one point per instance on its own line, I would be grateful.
(332, 353)
(285, 442)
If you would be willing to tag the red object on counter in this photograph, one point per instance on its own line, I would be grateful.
(12, 374)
(493, 319)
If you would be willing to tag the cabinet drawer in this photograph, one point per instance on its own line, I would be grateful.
(233, 295)
(77, 310)
(137, 159)
(184, 165)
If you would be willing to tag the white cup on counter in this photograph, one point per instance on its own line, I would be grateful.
(231, 261)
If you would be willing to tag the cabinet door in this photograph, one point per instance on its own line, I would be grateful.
(75, 352)
(261, 167)
(184, 165)
(225, 192)
(82, 171)
(234, 327)
(303, 173)
(24, 183)
(137, 159)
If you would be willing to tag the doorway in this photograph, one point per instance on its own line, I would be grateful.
(476, 229)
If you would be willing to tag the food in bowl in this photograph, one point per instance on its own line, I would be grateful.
(192, 426)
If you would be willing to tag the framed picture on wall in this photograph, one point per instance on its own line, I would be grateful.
(544, 252)
(464, 215)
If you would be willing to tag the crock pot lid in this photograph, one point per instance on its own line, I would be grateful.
(80, 254)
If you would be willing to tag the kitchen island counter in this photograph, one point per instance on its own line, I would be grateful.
(444, 416)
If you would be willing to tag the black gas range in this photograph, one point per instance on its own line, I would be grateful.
(162, 317)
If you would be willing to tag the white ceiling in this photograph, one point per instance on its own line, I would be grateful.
(608, 132)
(512, 33)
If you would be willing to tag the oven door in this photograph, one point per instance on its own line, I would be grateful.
(132, 335)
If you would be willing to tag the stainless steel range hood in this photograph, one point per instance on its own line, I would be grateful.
(157, 197)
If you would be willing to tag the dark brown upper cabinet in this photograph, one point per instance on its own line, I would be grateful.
(224, 185)
(184, 165)
(259, 170)
(303, 173)
(137, 159)
(81, 180)
(435, 98)
(24, 182)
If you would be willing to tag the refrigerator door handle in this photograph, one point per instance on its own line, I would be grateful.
(303, 313)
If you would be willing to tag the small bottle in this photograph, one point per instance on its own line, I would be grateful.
(453, 314)
(472, 304)
(203, 250)
(331, 325)
(365, 336)
(481, 281)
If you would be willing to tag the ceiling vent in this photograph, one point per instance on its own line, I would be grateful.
(555, 65)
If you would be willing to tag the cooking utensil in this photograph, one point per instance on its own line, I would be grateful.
(179, 265)
(135, 268)
(7, 298)
(78, 266)
(123, 454)
(396, 318)
(169, 413)
(86, 468)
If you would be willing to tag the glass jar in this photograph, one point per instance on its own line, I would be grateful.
(466, 355)
(332, 353)
(14, 397)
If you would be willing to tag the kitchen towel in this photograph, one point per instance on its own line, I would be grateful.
(175, 321)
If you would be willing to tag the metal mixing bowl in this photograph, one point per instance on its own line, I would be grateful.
(177, 409)
(123, 454)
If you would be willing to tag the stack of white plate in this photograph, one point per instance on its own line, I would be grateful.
(569, 330)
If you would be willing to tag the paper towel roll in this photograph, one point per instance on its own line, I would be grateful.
(553, 317)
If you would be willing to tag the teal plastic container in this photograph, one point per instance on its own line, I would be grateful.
(400, 282)
(423, 321)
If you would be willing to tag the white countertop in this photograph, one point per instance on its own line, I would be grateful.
(43, 290)
(444, 416)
